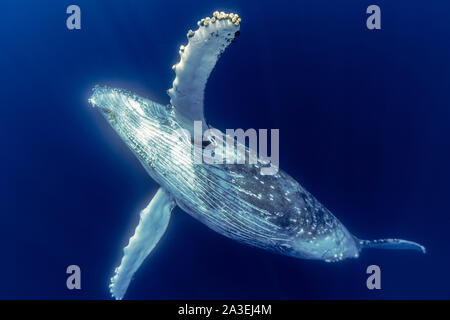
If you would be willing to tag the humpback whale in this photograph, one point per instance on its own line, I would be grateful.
(269, 211)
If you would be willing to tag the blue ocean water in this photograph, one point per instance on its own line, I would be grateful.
(364, 126)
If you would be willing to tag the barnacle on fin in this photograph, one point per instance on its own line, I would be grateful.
(197, 59)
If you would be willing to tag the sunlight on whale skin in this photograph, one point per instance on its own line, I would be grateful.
(272, 212)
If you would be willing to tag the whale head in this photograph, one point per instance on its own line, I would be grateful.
(135, 119)
(117, 106)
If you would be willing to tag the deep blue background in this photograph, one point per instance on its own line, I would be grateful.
(363, 118)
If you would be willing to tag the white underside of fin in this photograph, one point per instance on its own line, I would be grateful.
(197, 60)
(153, 222)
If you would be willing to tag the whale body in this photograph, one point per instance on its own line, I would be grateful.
(269, 211)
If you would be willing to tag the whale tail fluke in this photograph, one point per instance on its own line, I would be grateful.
(393, 244)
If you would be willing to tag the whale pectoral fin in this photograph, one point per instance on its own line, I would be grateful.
(197, 60)
(393, 244)
(153, 222)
